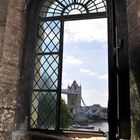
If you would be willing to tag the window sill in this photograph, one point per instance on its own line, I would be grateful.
(68, 135)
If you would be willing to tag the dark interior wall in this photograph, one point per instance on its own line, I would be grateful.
(134, 38)
(27, 64)
(134, 59)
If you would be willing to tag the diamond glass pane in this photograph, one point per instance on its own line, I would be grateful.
(45, 82)
(46, 72)
(64, 7)
(43, 111)
(48, 37)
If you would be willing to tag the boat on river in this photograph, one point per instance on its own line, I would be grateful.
(88, 126)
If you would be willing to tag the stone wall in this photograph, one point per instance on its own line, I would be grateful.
(134, 57)
(135, 112)
(3, 14)
(134, 38)
(11, 40)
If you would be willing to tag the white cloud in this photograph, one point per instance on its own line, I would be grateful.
(92, 73)
(71, 60)
(87, 30)
(84, 70)
(88, 72)
(103, 77)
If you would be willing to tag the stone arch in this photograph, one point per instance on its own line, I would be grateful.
(47, 50)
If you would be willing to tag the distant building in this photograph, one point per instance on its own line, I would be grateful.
(96, 107)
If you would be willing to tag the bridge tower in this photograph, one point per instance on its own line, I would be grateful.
(74, 99)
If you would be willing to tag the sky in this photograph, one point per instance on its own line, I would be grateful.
(85, 59)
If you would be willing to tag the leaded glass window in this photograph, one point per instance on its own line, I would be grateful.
(46, 92)
(69, 7)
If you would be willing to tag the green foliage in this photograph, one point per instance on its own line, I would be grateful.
(47, 113)
(46, 110)
(65, 116)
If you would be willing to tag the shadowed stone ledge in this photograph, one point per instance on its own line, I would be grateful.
(28, 135)
(32, 135)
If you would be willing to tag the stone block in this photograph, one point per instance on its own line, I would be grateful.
(18, 4)
(3, 18)
(10, 56)
(7, 123)
(8, 96)
(15, 18)
(3, 5)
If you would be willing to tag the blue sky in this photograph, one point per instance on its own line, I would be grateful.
(85, 59)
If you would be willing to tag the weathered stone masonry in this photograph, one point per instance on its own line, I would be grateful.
(134, 55)
(11, 40)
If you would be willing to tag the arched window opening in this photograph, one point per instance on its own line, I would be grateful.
(64, 7)
(46, 92)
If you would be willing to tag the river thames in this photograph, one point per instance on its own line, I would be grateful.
(101, 125)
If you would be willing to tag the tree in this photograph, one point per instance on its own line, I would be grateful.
(65, 116)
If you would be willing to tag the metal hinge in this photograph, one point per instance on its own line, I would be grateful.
(117, 48)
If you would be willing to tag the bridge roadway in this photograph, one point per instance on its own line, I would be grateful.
(65, 91)
(87, 112)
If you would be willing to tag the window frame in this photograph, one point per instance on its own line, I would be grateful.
(62, 19)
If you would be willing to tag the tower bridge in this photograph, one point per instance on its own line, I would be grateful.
(73, 93)
(66, 91)
(74, 99)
